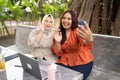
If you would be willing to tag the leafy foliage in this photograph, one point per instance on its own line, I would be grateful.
(55, 8)
(16, 9)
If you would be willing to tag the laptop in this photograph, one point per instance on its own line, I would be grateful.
(31, 66)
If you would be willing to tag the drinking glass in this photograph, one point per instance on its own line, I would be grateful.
(2, 61)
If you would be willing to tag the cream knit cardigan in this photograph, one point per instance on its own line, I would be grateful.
(43, 47)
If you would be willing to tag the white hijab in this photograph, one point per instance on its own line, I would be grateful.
(43, 20)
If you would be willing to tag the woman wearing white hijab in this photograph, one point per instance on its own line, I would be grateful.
(41, 39)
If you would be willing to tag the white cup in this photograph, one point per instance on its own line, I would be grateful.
(51, 69)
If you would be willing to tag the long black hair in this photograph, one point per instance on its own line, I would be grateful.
(73, 26)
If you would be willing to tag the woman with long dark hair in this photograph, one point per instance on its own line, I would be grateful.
(73, 44)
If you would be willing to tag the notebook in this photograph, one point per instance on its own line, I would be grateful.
(32, 66)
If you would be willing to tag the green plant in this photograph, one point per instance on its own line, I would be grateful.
(55, 8)
(47, 8)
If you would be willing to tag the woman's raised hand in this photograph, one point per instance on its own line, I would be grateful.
(85, 32)
(58, 36)
(40, 26)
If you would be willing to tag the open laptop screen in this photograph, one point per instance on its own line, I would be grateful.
(31, 66)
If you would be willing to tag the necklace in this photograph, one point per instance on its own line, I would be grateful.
(46, 33)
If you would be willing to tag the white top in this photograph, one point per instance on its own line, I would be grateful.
(43, 47)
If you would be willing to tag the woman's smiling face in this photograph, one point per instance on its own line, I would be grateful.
(48, 23)
(67, 21)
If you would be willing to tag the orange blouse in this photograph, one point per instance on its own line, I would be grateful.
(74, 51)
